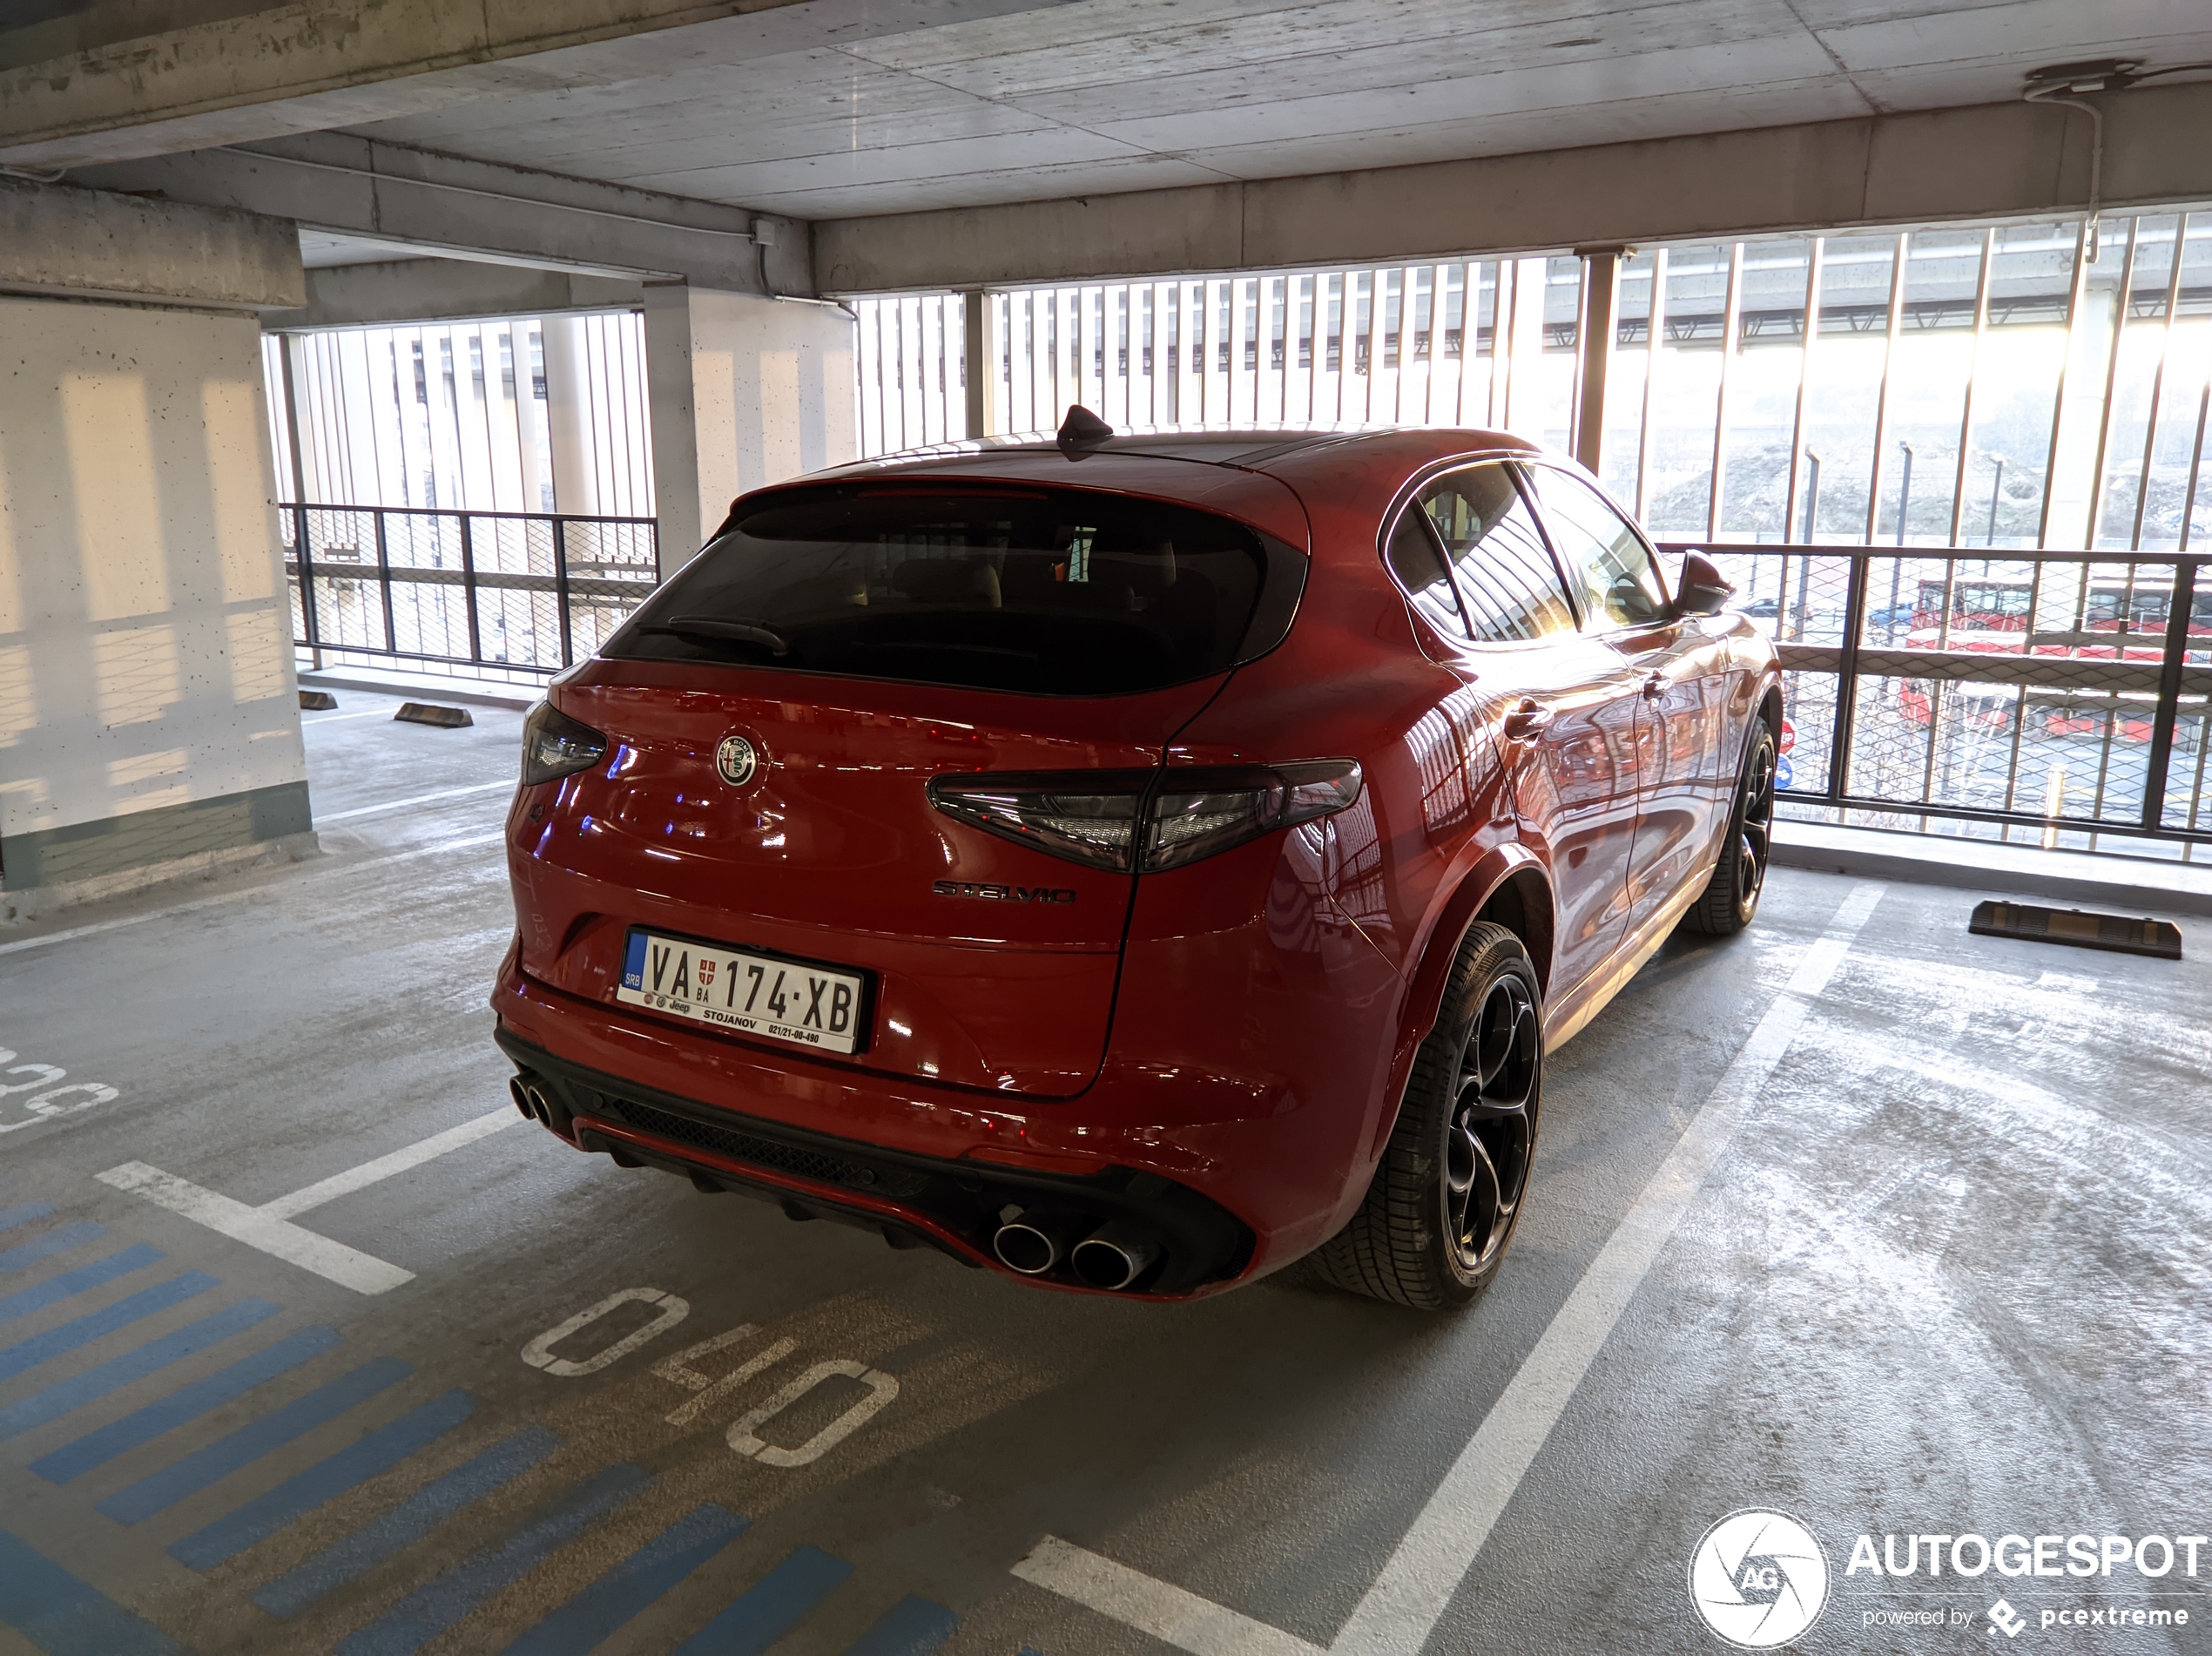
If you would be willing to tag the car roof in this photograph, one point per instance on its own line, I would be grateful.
(1253, 448)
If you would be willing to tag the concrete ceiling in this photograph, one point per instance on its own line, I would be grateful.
(1108, 96)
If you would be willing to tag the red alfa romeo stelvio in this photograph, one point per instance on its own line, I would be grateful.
(1132, 863)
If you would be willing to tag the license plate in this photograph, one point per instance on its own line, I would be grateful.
(799, 1001)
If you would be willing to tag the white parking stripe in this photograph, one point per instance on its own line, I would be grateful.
(1398, 1613)
(399, 1161)
(335, 717)
(419, 799)
(269, 1226)
(348, 1267)
(1136, 1599)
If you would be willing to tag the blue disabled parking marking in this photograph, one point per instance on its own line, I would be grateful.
(95, 1325)
(377, 1453)
(187, 1404)
(413, 1518)
(11, 1217)
(97, 1381)
(53, 1242)
(587, 1620)
(158, 1492)
(66, 1616)
(913, 1627)
(428, 1611)
(24, 1302)
(771, 1607)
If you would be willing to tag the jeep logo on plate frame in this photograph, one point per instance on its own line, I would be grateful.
(737, 759)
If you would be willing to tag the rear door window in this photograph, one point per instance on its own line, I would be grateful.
(1506, 578)
(1054, 591)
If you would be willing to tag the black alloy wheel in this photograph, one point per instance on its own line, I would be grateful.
(1455, 1177)
(1732, 897)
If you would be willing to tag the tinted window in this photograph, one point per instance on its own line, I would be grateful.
(1419, 569)
(1505, 575)
(1059, 591)
(1604, 557)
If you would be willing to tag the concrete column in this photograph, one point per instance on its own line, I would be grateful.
(149, 714)
(2078, 431)
(1594, 352)
(982, 363)
(576, 480)
(746, 391)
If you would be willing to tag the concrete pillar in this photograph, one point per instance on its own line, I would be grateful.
(568, 387)
(149, 714)
(745, 391)
(1594, 334)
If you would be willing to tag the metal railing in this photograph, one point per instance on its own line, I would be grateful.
(524, 591)
(2065, 693)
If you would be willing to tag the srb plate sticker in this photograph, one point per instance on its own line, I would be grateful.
(800, 1002)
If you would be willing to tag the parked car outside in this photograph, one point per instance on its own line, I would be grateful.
(1132, 864)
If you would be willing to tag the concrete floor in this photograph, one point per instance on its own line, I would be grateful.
(1949, 1275)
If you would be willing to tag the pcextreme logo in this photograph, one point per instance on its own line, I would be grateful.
(1758, 1578)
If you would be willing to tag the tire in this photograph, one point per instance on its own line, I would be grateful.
(1449, 1193)
(1731, 896)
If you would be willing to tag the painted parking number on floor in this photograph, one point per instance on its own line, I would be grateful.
(681, 1370)
(49, 1097)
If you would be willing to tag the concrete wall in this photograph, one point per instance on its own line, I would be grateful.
(148, 716)
(745, 391)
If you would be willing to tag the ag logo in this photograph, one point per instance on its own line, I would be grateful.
(1758, 1578)
(737, 759)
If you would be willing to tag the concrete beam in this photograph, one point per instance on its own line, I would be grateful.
(1983, 161)
(438, 290)
(271, 69)
(397, 194)
(73, 243)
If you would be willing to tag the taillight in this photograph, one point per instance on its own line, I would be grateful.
(555, 745)
(1147, 821)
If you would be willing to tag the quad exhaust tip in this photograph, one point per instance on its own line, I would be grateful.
(1113, 1256)
(1110, 1256)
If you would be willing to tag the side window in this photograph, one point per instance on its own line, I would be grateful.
(1604, 557)
(1419, 570)
(1505, 575)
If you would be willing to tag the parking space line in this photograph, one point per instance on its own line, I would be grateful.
(70, 1284)
(202, 1396)
(1397, 1614)
(419, 799)
(1168, 1612)
(150, 1358)
(424, 1511)
(348, 1267)
(341, 717)
(158, 1492)
(368, 1457)
(66, 1616)
(383, 1167)
(588, 1620)
(268, 1227)
(11, 1217)
(770, 1607)
(429, 1610)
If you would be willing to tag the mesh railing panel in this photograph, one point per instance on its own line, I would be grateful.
(507, 591)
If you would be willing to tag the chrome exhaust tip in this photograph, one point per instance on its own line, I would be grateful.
(1034, 1246)
(1113, 1256)
(520, 1094)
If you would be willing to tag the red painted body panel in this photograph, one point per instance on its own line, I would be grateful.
(1242, 1026)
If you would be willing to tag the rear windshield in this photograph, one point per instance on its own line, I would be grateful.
(1056, 592)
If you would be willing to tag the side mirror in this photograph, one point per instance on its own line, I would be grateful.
(1705, 590)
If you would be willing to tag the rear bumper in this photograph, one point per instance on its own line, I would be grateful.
(911, 1199)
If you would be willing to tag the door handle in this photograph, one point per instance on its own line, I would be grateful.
(1655, 686)
(1527, 722)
